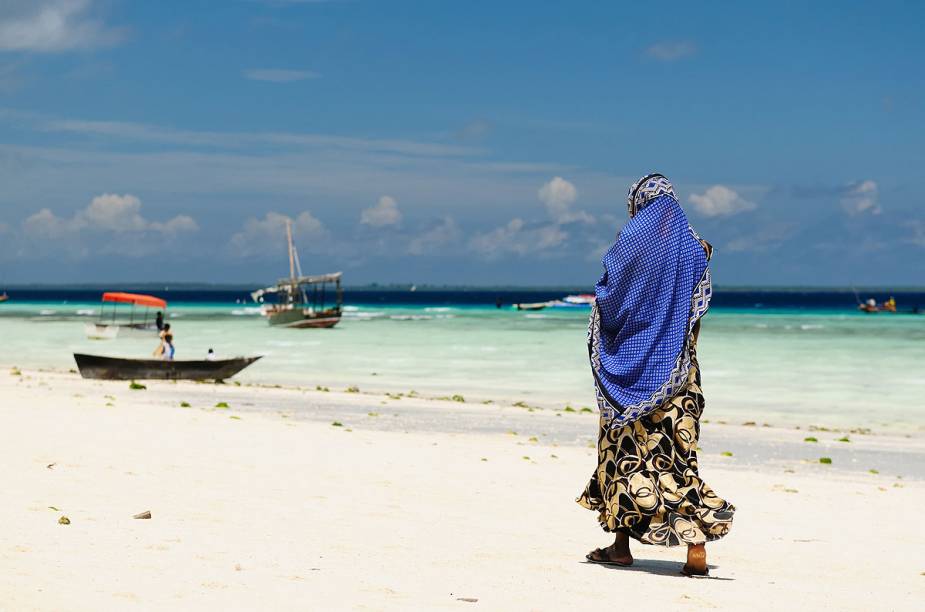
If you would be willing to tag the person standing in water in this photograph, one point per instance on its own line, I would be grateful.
(164, 349)
(642, 340)
(159, 320)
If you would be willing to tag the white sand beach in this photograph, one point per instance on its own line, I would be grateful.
(255, 508)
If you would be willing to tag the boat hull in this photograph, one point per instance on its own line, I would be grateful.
(117, 368)
(300, 319)
(534, 306)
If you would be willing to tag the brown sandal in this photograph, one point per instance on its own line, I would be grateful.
(690, 570)
(600, 559)
(687, 570)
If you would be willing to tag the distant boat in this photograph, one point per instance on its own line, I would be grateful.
(4, 297)
(122, 321)
(889, 307)
(533, 306)
(117, 368)
(582, 299)
(302, 301)
(569, 301)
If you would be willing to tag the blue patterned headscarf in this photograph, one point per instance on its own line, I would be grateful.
(655, 287)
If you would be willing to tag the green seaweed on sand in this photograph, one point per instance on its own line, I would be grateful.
(64, 521)
(353, 389)
(569, 409)
(394, 396)
(533, 439)
(222, 405)
(337, 424)
(372, 414)
(134, 386)
(726, 454)
(512, 433)
(873, 471)
(413, 393)
(825, 460)
(810, 439)
(185, 405)
(520, 404)
(586, 409)
(526, 458)
(843, 439)
(458, 398)
(235, 417)
(14, 371)
(54, 508)
(320, 388)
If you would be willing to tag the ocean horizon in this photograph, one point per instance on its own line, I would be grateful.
(785, 357)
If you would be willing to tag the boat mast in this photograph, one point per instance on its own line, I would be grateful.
(291, 252)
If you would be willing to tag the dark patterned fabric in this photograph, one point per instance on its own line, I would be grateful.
(647, 482)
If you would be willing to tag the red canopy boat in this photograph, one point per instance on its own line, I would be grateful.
(109, 325)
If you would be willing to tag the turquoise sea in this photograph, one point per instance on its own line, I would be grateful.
(783, 365)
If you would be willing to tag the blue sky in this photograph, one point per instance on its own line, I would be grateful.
(455, 142)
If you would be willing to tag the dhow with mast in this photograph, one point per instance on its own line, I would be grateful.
(302, 301)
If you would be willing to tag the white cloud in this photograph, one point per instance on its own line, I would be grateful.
(108, 212)
(916, 226)
(442, 235)
(516, 237)
(720, 201)
(142, 132)
(53, 25)
(558, 195)
(670, 51)
(260, 235)
(520, 238)
(279, 75)
(861, 197)
(765, 238)
(384, 213)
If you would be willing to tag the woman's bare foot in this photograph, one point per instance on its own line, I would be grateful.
(617, 553)
(696, 561)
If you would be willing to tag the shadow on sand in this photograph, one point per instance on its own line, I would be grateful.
(658, 567)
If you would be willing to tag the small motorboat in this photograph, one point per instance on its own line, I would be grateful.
(4, 297)
(582, 299)
(533, 306)
(120, 368)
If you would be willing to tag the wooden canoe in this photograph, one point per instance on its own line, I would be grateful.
(119, 368)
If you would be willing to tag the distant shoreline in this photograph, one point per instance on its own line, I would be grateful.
(405, 287)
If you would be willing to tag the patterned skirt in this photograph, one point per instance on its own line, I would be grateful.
(647, 484)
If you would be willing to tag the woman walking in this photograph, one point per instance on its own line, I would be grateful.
(642, 344)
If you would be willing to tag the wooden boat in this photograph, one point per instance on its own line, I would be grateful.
(533, 306)
(302, 301)
(119, 368)
(4, 297)
(109, 326)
